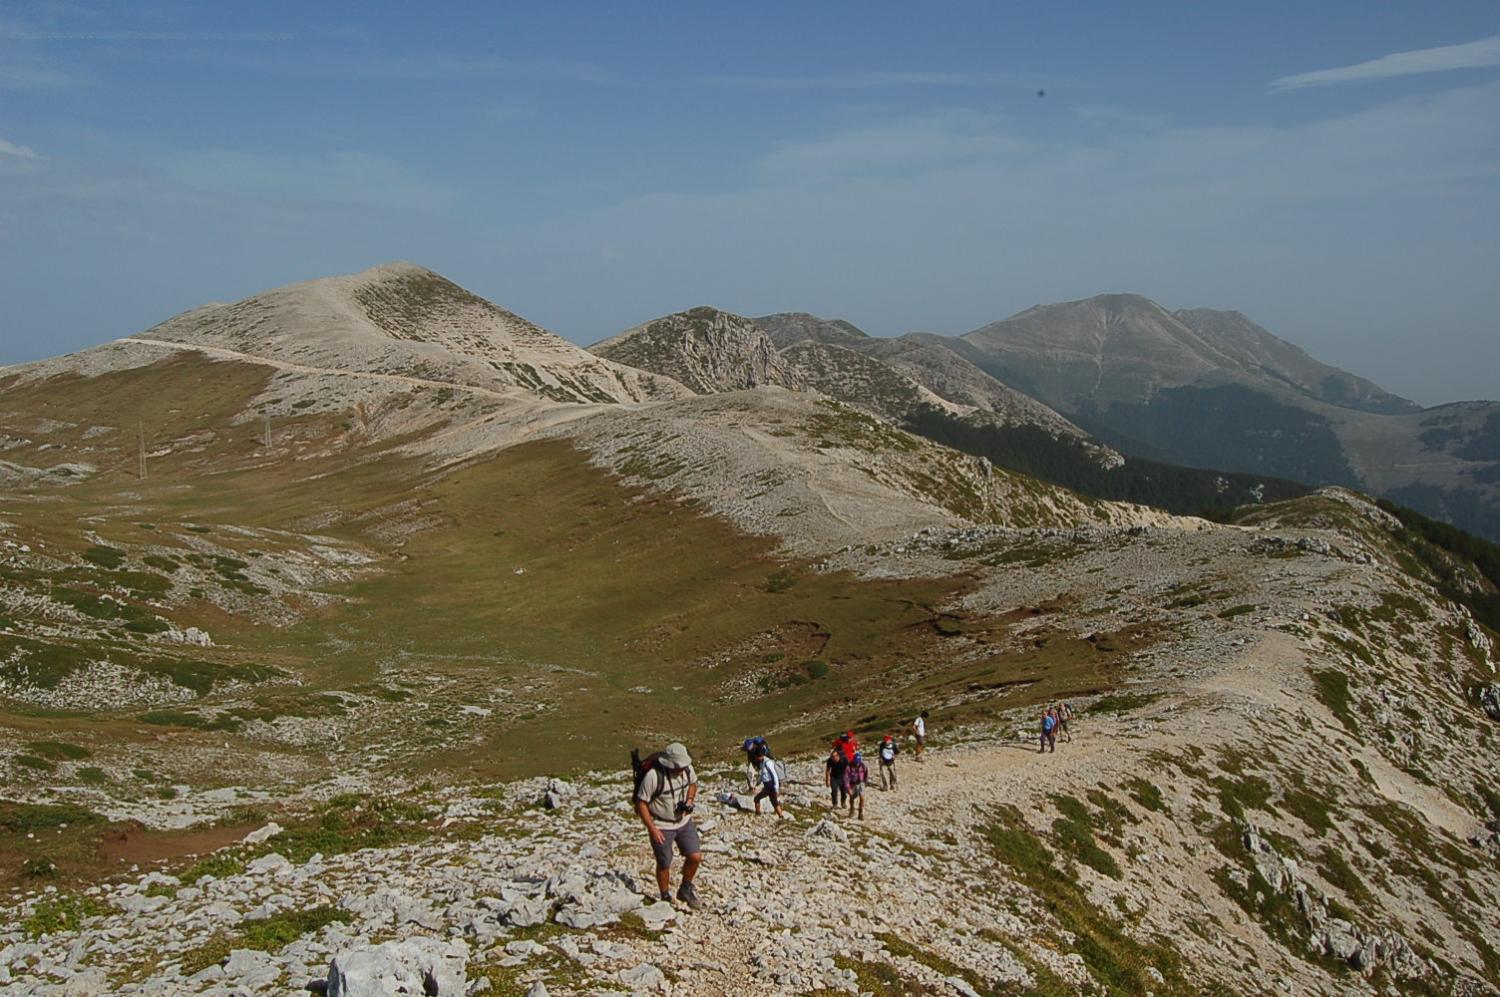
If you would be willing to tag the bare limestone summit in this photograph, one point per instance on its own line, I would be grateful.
(405, 321)
(706, 349)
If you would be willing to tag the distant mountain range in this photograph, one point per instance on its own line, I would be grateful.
(1212, 389)
(1060, 391)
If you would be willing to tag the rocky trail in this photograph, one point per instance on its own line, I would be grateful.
(222, 353)
(546, 888)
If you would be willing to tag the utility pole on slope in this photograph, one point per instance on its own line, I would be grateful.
(265, 433)
(140, 450)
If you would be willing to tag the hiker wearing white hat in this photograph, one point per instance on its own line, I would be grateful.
(666, 788)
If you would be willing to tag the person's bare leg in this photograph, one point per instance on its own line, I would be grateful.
(664, 880)
(690, 867)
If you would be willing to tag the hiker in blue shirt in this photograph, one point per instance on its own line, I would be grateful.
(1049, 732)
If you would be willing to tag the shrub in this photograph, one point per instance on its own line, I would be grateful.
(217, 866)
(26, 818)
(104, 557)
(780, 580)
(65, 912)
(1332, 688)
(58, 751)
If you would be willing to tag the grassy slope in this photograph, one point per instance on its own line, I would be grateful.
(618, 591)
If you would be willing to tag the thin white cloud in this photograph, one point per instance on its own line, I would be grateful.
(25, 72)
(18, 151)
(927, 141)
(422, 66)
(349, 177)
(870, 80)
(17, 34)
(1470, 55)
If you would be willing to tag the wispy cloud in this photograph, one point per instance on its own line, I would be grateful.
(870, 80)
(24, 72)
(18, 151)
(931, 140)
(1469, 55)
(19, 34)
(414, 67)
(348, 177)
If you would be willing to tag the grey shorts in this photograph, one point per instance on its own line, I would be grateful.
(685, 838)
(856, 789)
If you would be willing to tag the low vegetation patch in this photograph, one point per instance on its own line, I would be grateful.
(29, 818)
(104, 557)
(58, 751)
(1074, 833)
(269, 934)
(1124, 702)
(1117, 962)
(217, 866)
(1332, 688)
(1145, 794)
(880, 979)
(62, 912)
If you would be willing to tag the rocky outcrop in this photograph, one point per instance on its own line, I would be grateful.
(416, 966)
(1366, 949)
(858, 380)
(1489, 700)
(707, 350)
(787, 328)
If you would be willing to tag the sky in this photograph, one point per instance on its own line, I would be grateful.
(1331, 170)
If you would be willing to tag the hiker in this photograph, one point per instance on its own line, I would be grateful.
(770, 786)
(856, 774)
(833, 776)
(919, 728)
(1049, 732)
(755, 748)
(1064, 714)
(847, 744)
(888, 751)
(665, 791)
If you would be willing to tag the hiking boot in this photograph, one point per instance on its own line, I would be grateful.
(666, 896)
(689, 896)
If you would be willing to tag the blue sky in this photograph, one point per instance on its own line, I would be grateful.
(1332, 172)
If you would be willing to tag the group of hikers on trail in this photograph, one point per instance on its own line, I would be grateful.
(1054, 724)
(666, 794)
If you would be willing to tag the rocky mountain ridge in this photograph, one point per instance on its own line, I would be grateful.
(349, 688)
(706, 350)
(1207, 388)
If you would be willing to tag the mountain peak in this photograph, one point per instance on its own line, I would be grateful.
(399, 320)
(705, 348)
(787, 328)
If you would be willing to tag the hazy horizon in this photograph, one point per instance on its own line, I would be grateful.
(1333, 174)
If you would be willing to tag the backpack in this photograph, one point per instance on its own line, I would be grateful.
(888, 751)
(639, 768)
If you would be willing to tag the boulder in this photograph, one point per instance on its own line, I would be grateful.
(826, 828)
(417, 966)
(524, 912)
(259, 835)
(644, 978)
(1489, 700)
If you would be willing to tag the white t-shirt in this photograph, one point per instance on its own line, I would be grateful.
(921, 726)
(768, 777)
